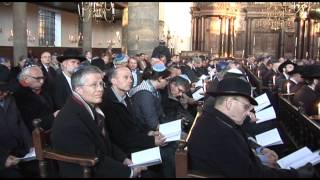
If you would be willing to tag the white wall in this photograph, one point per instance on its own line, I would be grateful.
(177, 19)
(101, 32)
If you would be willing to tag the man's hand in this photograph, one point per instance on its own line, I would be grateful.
(137, 171)
(253, 117)
(127, 162)
(11, 161)
(271, 155)
(159, 139)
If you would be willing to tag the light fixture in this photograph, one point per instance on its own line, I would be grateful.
(30, 38)
(97, 11)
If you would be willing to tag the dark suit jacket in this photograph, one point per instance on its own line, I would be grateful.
(218, 145)
(122, 126)
(61, 91)
(308, 98)
(32, 105)
(15, 138)
(293, 86)
(76, 132)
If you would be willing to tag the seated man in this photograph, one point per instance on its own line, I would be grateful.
(218, 143)
(33, 99)
(79, 129)
(123, 128)
(15, 140)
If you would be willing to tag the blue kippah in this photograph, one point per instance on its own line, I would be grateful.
(120, 58)
(184, 76)
(159, 67)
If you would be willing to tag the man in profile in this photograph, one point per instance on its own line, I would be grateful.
(219, 145)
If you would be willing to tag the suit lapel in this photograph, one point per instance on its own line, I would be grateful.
(87, 120)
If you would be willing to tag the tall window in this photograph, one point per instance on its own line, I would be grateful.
(46, 27)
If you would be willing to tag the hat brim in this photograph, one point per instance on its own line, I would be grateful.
(232, 93)
(63, 58)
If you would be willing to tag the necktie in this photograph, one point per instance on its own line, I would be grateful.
(100, 120)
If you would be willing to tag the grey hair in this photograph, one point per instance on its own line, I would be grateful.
(78, 77)
(26, 71)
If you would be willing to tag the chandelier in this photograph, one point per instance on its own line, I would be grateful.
(97, 11)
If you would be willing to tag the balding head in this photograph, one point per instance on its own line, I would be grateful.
(121, 79)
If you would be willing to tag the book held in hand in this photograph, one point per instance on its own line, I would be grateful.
(199, 94)
(171, 130)
(269, 138)
(266, 115)
(299, 158)
(263, 102)
(30, 156)
(146, 157)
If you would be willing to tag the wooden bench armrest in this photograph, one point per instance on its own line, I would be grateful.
(84, 161)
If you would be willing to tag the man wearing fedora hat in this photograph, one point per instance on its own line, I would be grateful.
(15, 140)
(295, 81)
(70, 60)
(284, 68)
(219, 145)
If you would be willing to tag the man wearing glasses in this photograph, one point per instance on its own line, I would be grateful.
(33, 99)
(80, 129)
(218, 143)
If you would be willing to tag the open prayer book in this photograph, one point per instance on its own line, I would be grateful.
(30, 156)
(199, 94)
(269, 138)
(146, 157)
(262, 112)
(171, 130)
(299, 158)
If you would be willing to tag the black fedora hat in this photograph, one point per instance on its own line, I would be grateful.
(310, 71)
(71, 53)
(4, 78)
(234, 87)
(284, 64)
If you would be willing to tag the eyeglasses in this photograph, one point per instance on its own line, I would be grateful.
(96, 85)
(245, 105)
(40, 78)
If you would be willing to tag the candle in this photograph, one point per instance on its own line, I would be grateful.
(319, 108)
(288, 88)
(295, 45)
(211, 50)
(274, 80)
(307, 54)
(242, 53)
(254, 40)
(258, 73)
(250, 66)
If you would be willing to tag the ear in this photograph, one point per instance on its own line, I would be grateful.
(113, 81)
(228, 103)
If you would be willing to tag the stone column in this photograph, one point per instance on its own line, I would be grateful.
(19, 31)
(281, 43)
(222, 36)
(199, 34)
(248, 37)
(193, 33)
(124, 44)
(87, 36)
(309, 40)
(231, 37)
(143, 27)
(202, 34)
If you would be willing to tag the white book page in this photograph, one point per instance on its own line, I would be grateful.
(198, 94)
(263, 101)
(146, 157)
(269, 138)
(266, 115)
(171, 130)
(286, 161)
(314, 158)
(30, 156)
(199, 83)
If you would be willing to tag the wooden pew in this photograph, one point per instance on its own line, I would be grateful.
(44, 153)
(302, 130)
